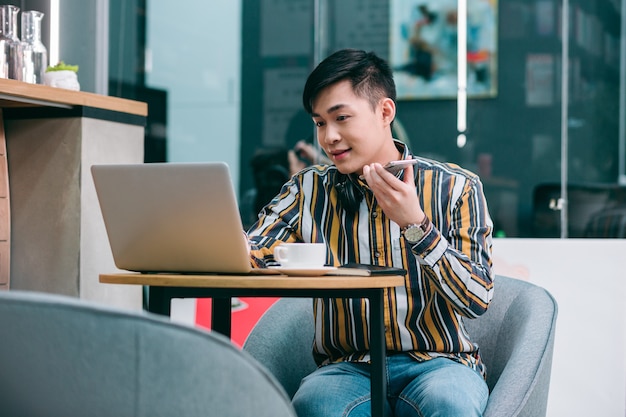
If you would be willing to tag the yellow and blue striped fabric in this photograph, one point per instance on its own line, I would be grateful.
(449, 271)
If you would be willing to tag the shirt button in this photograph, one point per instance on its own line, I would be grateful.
(377, 255)
(374, 215)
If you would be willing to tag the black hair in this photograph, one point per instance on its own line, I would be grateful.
(370, 76)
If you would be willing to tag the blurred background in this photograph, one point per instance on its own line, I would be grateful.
(224, 79)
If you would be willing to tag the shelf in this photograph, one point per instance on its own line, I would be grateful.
(20, 94)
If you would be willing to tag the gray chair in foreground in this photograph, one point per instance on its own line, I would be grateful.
(60, 356)
(515, 335)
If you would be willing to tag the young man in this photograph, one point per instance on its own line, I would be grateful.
(431, 220)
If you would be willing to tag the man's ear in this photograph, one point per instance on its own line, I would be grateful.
(388, 107)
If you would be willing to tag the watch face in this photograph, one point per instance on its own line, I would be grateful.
(414, 234)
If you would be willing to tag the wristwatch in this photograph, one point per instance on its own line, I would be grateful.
(413, 233)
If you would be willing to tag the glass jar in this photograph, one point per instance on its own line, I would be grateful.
(10, 45)
(34, 53)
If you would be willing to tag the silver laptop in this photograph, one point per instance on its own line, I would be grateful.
(172, 217)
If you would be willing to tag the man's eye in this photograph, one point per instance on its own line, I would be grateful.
(341, 118)
(319, 124)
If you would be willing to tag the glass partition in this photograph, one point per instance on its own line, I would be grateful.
(552, 158)
(516, 128)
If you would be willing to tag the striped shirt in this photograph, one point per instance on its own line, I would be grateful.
(449, 270)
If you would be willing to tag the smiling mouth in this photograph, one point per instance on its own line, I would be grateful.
(339, 154)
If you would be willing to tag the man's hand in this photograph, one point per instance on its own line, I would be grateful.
(304, 154)
(295, 164)
(397, 198)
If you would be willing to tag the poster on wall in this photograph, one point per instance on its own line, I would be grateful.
(423, 49)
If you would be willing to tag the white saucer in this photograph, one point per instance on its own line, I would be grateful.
(304, 271)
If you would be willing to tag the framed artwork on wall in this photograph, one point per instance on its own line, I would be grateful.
(423, 49)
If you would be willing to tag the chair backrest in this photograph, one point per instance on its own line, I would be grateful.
(516, 340)
(515, 335)
(65, 357)
(584, 202)
(608, 223)
(282, 340)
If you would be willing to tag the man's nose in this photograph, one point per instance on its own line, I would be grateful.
(331, 134)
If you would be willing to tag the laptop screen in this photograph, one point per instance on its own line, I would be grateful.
(172, 217)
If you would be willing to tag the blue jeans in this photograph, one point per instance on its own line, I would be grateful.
(438, 387)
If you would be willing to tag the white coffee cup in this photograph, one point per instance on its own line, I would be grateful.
(301, 255)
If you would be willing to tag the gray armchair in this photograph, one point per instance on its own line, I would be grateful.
(64, 357)
(515, 335)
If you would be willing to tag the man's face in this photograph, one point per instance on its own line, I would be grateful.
(352, 133)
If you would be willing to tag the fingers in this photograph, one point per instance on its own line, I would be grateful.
(375, 174)
(396, 197)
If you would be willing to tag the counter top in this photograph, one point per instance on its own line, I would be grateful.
(15, 93)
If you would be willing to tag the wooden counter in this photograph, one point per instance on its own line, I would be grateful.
(20, 94)
(52, 237)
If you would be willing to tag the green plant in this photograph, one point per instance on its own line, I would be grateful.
(62, 66)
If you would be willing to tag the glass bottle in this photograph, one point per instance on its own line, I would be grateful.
(10, 45)
(34, 53)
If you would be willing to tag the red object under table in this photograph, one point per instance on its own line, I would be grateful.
(243, 318)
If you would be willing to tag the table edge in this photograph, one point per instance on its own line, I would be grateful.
(254, 281)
